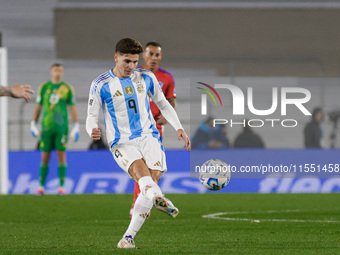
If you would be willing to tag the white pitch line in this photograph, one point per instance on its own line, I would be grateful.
(215, 216)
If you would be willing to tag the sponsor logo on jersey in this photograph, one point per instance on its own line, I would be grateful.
(129, 90)
(117, 94)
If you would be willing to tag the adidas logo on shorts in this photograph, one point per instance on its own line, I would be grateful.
(157, 163)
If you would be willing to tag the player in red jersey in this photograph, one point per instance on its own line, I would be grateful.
(152, 57)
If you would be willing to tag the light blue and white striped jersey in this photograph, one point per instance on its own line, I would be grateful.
(125, 104)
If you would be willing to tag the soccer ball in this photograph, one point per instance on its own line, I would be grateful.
(214, 174)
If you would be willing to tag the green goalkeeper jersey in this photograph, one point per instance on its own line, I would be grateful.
(55, 98)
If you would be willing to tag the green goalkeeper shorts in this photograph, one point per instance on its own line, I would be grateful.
(51, 140)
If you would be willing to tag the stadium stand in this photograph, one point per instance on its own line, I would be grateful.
(36, 43)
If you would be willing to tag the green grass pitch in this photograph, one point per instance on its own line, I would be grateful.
(93, 224)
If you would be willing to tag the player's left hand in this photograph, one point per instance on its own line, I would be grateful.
(161, 120)
(74, 135)
(96, 134)
(182, 135)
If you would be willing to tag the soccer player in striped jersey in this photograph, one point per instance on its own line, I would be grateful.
(122, 93)
(152, 56)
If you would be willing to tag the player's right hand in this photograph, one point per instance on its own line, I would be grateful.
(96, 134)
(182, 135)
(34, 130)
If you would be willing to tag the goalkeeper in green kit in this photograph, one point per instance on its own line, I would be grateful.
(53, 97)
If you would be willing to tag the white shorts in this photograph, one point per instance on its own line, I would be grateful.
(146, 147)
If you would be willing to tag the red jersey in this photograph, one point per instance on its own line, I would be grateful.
(167, 83)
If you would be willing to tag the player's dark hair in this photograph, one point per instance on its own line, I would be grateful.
(129, 46)
(153, 43)
(56, 65)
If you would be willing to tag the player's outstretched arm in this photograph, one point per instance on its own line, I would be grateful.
(170, 115)
(17, 91)
(182, 135)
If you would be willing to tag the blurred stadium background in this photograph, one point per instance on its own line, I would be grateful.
(247, 43)
(260, 44)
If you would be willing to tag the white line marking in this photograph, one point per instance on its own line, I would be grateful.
(216, 216)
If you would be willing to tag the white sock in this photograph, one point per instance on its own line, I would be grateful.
(149, 188)
(141, 209)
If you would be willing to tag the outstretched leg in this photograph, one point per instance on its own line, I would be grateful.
(150, 195)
